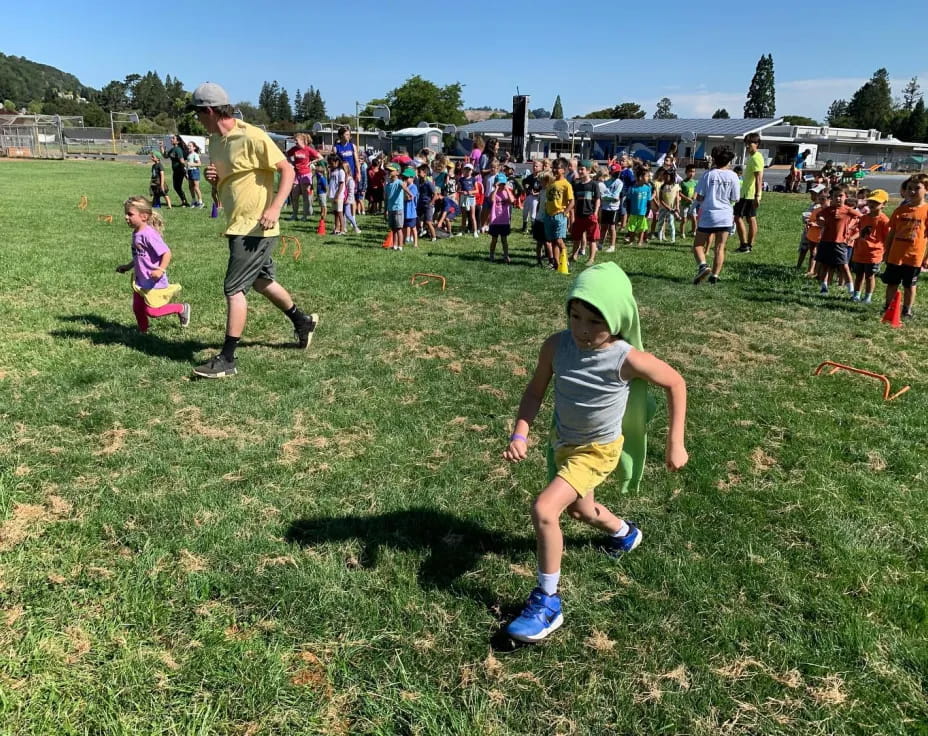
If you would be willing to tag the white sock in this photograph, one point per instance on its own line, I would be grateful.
(622, 530)
(548, 581)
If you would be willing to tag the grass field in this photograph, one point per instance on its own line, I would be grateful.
(329, 543)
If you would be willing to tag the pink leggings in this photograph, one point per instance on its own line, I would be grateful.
(143, 311)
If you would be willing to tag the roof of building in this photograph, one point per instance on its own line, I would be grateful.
(640, 126)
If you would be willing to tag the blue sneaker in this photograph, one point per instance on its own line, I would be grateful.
(616, 546)
(541, 615)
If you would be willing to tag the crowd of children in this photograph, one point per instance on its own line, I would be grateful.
(850, 240)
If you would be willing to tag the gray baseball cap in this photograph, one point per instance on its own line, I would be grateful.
(209, 94)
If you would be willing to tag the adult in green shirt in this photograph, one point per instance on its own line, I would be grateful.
(751, 187)
(177, 153)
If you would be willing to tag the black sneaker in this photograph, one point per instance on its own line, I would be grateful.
(218, 367)
(304, 331)
(701, 272)
(743, 249)
(713, 279)
(185, 315)
(908, 313)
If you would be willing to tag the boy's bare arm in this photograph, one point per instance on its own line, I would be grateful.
(643, 365)
(531, 401)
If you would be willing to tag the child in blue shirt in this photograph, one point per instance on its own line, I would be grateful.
(411, 194)
(394, 199)
(322, 186)
(638, 202)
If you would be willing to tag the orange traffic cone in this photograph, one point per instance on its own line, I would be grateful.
(320, 230)
(388, 241)
(893, 314)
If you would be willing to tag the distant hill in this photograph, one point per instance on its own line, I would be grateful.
(476, 115)
(22, 80)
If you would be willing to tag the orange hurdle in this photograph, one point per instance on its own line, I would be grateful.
(105, 218)
(879, 376)
(285, 240)
(82, 203)
(428, 277)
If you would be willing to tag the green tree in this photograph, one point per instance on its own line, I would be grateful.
(557, 112)
(419, 99)
(114, 96)
(174, 93)
(267, 99)
(9, 105)
(34, 107)
(315, 112)
(284, 110)
(799, 120)
(915, 125)
(911, 94)
(539, 113)
(623, 111)
(252, 114)
(148, 95)
(663, 111)
(721, 114)
(838, 115)
(298, 115)
(189, 124)
(872, 104)
(761, 100)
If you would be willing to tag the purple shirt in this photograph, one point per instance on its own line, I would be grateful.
(500, 212)
(148, 248)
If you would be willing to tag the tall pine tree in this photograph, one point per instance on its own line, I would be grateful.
(284, 111)
(663, 111)
(872, 105)
(557, 112)
(761, 102)
(298, 107)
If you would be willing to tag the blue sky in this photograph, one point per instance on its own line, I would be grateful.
(700, 57)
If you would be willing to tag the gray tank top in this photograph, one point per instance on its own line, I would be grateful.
(589, 394)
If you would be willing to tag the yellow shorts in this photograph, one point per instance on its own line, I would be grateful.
(585, 467)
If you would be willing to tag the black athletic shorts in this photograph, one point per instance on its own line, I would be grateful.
(832, 254)
(249, 260)
(864, 269)
(746, 208)
(898, 275)
(608, 217)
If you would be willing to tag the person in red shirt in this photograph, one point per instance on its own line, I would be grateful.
(839, 225)
(868, 248)
(376, 180)
(302, 156)
(906, 244)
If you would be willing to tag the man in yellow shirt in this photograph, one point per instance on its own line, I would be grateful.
(243, 163)
(751, 189)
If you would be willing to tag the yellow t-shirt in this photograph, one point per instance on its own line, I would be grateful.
(754, 164)
(246, 160)
(558, 194)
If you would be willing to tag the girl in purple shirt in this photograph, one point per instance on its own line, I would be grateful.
(150, 259)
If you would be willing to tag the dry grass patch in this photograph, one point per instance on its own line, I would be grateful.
(28, 520)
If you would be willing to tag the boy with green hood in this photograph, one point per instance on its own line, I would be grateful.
(601, 410)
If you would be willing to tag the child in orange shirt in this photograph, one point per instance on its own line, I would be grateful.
(839, 223)
(811, 231)
(906, 244)
(868, 249)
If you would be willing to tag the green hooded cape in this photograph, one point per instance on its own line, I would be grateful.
(608, 288)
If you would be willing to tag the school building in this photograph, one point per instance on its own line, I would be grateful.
(645, 138)
(648, 138)
(844, 146)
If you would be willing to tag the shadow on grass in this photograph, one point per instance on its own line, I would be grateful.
(105, 332)
(453, 549)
